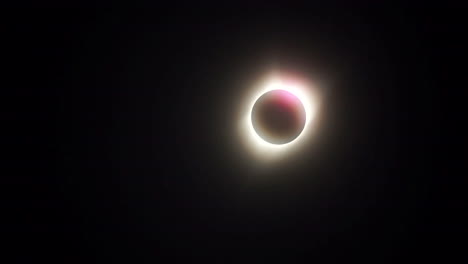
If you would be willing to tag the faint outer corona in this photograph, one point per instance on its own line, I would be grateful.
(278, 117)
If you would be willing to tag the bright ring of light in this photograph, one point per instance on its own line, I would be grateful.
(259, 145)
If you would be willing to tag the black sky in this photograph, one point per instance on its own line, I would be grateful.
(123, 144)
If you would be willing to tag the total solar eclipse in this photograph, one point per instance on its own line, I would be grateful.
(278, 117)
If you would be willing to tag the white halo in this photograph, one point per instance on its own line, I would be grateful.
(257, 144)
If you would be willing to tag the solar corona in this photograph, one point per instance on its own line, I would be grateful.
(277, 117)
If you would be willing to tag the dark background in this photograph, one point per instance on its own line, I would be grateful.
(121, 145)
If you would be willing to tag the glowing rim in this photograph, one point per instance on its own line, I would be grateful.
(251, 123)
(263, 147)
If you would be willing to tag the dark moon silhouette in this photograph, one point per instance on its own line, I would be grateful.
(278, 117)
